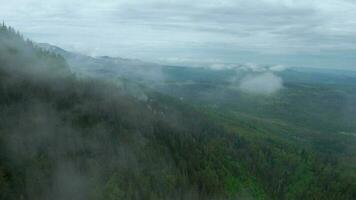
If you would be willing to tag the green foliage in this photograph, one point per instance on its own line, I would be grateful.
(63, 137)
(290, 138)
(70, 138)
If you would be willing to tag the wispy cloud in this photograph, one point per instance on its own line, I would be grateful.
(262, 84)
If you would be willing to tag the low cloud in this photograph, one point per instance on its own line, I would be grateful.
(262, 84)
(251, 67)
(220, 66)
(253, 78)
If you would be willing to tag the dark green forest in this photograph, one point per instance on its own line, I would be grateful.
(64, 136)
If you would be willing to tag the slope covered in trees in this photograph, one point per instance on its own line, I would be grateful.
(64, 137)
(68, 138)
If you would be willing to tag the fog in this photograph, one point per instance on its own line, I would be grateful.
(221, 115)
(65, 136)
(264, 84)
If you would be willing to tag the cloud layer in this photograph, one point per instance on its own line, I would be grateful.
(304, 32)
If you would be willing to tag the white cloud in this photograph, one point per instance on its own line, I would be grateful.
(277, 68)
(262, 84)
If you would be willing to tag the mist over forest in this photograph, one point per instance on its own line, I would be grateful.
(75, 126)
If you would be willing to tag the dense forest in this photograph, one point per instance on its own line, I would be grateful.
(63, 136)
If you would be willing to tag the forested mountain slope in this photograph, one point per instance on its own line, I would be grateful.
(68, 138)
(64, 137)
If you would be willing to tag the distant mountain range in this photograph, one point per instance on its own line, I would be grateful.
(113, 67)
(107, 67)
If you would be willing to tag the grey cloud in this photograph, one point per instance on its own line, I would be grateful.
(153, 29)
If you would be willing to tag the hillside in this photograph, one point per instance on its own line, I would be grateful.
(65, 136)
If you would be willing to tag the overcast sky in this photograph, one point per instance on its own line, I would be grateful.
(316, 33)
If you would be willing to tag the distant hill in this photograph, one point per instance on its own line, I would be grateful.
(108, 67)
(113, 67)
